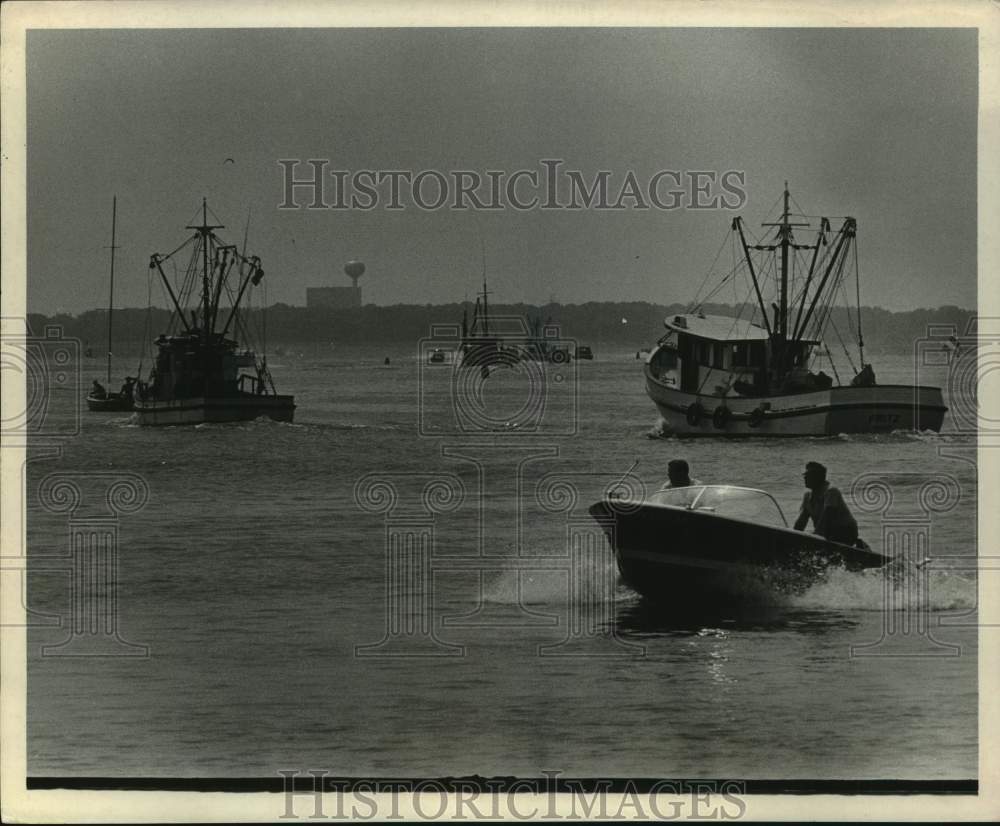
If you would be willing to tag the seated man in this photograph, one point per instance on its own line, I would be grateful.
(97, 390)
(826, 507)
(126, 391)
(679, 475)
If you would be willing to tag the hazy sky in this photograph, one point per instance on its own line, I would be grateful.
(878, 124)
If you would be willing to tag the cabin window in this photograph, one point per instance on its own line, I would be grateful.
(756, 354)
(704, 352)
(717, 354)
(739, 354)
(667, 359)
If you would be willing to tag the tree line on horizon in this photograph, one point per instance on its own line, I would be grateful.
(636, 323)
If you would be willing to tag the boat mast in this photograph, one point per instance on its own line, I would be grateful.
(486, 315)
(785, 242)
(205, 230)
(111, 296)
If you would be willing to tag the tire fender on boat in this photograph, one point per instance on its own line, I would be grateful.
(720, 417)
(694, 413)
(757, 417)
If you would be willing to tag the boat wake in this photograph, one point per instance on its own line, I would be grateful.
(552, 589)
(265, 423)
(892, 589)
(772, 589)
(661, 430)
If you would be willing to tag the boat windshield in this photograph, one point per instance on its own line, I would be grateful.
(724, 500)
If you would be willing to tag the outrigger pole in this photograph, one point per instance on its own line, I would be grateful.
(154, 261)
(847, 231)
(824, 227)
(738, 226)
(254, 275)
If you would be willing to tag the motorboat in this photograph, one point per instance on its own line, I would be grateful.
(688, 546)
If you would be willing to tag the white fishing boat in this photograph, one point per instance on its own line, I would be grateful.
(759, 374)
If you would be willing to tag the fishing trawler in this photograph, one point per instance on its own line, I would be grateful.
(479, 347)
(514, 339)
(100, 399)
(757, 375)
(201, 374)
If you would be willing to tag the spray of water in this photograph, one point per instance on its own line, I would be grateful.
(808, 587)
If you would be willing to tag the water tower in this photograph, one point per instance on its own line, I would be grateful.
(354, 270)
(339, 298)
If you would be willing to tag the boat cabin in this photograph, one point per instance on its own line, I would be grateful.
(186, 368)
(722, 356)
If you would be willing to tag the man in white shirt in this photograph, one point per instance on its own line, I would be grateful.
(826, 507)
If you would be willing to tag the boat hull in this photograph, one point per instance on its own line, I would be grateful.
(243, 407)
(112, 403)
(690, 559)
(877, 409)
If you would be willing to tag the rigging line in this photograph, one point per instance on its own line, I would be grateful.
(172, 322)
(797, 206)
(805, 283)
(735, 269)
(708, 274)
(843, 346)
(857, 289)
(711, 295)
(174, 252)
(823, 317)
(821, 265)
(802, 265)
(847, 309)
(190, 278)
(242, 321)
(770, 209)
(829, 360)
(146, 332)
(214, 216)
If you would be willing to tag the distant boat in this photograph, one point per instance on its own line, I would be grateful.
(692, 547)
(100, 399)
(754, 375)
(479, 347)
(484, 344)
(584, 352)
(198, 375)
(544, 343)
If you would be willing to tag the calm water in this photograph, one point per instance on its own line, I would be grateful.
(253, 573)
